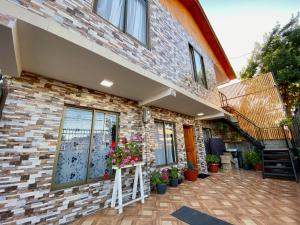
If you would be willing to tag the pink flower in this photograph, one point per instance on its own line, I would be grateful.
(132, 162)
(126, 151)
(113, 161)
(122, 165)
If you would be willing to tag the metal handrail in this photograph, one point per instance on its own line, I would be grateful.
(257, 132)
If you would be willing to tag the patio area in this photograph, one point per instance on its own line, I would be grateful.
(238, 197)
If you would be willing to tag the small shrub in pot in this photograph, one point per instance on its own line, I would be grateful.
(173, 176)
(213, 163)
(159, 181)
(190, 173)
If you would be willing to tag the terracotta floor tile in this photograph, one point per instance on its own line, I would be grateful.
(238, 197)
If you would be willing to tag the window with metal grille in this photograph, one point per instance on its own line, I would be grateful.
(85, 138)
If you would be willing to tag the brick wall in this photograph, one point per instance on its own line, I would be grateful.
(168, 54)
(29, 132)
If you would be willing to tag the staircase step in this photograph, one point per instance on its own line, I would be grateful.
(279, 175)
(278, 167)
(275, 149)
(276, 155)
(277, 161)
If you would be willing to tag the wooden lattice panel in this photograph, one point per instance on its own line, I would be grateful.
(259, 100)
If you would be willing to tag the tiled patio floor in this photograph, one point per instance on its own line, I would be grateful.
(236, 197)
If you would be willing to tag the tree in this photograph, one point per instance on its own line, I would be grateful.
(280, 54)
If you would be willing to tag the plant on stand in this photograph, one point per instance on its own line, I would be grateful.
(190, 173)
(173, 174)
(213, 162)
(159, 180)
(124, 153)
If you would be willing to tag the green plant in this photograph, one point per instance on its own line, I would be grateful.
(190, 165)
(173, 173)
(286, 122)
(252, 157)
(221, 126)
(212, 159)
(158, 178)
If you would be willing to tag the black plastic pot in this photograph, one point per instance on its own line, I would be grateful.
(161, 188)
(174, 182)
(180, 180)
(247, 166)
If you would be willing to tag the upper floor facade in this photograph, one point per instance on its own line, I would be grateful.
(144, 47)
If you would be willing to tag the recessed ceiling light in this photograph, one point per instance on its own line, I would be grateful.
(106, 83)
(200, 114)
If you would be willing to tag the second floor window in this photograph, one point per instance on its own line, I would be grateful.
(130, 16)
(198, 67)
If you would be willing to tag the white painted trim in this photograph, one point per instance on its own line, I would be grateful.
(163, 94)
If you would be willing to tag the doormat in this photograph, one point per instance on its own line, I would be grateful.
(203, 175)
(194, 217)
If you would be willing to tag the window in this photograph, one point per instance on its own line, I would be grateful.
(198, 67)
(85, 139)
(130, 16)
(3, 93)
(165, 152)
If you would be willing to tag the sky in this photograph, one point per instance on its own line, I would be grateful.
(240, 23)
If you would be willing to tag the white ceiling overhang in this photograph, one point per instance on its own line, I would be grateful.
(52, 51)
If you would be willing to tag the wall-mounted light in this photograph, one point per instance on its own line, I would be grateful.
(106, 83)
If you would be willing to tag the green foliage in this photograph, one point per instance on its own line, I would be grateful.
(173, 173)
(221, 126)
(279, 54)
(212, 159)
(252, 157)
(158, 178)
(286, 122)
(190, 165)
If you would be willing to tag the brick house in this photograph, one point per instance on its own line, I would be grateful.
(82, 73)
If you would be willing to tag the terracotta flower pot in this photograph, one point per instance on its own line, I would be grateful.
(214, 168)
(191, 175)
(258, 167)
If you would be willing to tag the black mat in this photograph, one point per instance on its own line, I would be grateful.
(203, 175)
(194, 217)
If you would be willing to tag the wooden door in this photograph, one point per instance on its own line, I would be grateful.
(191, 154)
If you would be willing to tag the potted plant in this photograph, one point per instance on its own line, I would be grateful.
(190, 174)
(256, 161)
(213, 162)
(159, 181)
(253, 159)
(180, 178)
(173, 174)
(248, 160)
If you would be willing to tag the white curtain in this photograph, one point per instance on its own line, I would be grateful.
(136, 19)
(160, 156)
(112, 10)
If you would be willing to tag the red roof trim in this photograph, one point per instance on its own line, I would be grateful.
(201, 19)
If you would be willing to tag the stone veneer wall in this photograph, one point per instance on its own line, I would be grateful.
(168, 54)
(29, 136)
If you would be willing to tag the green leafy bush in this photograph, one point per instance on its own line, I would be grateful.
(158, 177)
(173, 173)
(286, 122)
(252, 157)
(212, 159)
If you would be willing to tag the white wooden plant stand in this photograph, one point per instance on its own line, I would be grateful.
(117, 191)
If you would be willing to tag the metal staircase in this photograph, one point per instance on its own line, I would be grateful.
(277, 162)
